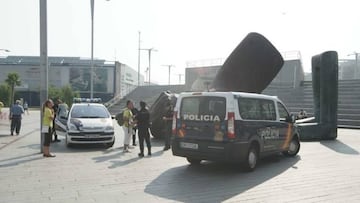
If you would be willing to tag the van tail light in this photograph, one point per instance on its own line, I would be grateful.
(231, 125)
(174, 122)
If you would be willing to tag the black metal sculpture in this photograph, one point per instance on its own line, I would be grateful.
(251, 67)
(325, 89)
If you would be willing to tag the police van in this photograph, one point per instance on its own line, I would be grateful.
(232, 127)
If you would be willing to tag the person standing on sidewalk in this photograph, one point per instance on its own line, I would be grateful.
(128, 125)
(15, 116)
(48, 117)
(143, 124)
(168, 117)
(55, 108)
(134, 111)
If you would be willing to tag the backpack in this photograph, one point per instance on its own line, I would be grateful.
(120, 119)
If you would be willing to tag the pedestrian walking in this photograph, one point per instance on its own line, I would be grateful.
(47, 124)
(143, 124)
(15, 116)
(26, 107)
(127, 125)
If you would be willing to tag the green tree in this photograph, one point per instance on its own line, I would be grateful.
(13, 79)
(5, 94)
(68, 94)
(54, 92)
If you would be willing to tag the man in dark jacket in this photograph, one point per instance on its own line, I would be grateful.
(143, 124)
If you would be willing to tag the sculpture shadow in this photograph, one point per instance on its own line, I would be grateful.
(215, 181)
(339, 147)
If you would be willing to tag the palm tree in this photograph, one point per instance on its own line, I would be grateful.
(13, 79)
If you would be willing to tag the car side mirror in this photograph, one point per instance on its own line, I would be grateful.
(113, 116)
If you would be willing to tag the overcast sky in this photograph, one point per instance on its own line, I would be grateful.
(181, 30)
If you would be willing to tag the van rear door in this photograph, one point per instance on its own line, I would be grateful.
(203, 118)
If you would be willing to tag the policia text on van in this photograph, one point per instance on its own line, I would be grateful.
(232, 127)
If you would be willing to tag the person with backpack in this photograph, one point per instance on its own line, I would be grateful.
(128, 124)
(143, 124)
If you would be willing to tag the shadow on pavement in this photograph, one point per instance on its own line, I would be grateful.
(339, 147)
(20, 160)
(215, 182)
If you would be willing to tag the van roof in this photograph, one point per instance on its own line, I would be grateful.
(240, 94)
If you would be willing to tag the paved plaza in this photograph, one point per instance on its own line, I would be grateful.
(323, 171)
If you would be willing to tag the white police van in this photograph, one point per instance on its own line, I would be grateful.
(232, 127)
(87, 122)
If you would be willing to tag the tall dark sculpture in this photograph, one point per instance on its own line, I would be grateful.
(251, 67)
(325, 89)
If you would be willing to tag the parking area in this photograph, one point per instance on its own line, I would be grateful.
(324, 171)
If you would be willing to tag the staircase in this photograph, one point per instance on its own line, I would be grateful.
(145, 93)
(294, 98)
(302, 98)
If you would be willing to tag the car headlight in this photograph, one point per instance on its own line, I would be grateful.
(109, 128)
(72, 127)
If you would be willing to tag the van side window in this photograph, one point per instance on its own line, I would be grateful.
(256, 109)
(268, 110)
(283, 114)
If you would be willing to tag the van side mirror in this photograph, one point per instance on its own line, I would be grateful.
(291, 118)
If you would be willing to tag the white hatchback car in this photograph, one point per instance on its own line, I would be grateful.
(89, 123)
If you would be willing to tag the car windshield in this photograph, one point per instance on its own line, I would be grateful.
(89, 111)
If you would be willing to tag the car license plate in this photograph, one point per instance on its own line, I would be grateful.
(91, 136)
(188, 145)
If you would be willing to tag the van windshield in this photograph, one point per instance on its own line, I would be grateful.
(204, 108)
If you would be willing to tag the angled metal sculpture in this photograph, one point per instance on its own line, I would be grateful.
(325, 89)
(251, 67)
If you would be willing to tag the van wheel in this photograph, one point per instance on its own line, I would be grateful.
(294, 148)
(251, 158)
(193, 161)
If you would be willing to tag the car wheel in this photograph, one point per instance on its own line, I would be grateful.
(251, 158)
(193, 161)
(294, 148)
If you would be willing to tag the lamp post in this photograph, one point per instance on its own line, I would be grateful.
(139, 60)
(169, 66)
(92, 50)
(149, 51)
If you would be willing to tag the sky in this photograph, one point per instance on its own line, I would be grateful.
(179, 30)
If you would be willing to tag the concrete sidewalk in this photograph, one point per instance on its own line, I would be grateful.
(325, 171)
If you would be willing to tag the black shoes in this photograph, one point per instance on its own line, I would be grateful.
(141, 154)
(166, 148)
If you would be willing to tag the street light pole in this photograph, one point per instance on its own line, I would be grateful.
(139, 60)
(149, 51)
(92, 51)
(169, 66)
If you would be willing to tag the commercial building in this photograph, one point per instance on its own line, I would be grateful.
(111, 78)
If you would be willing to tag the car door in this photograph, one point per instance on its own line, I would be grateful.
(61, 120)
(285, 127)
